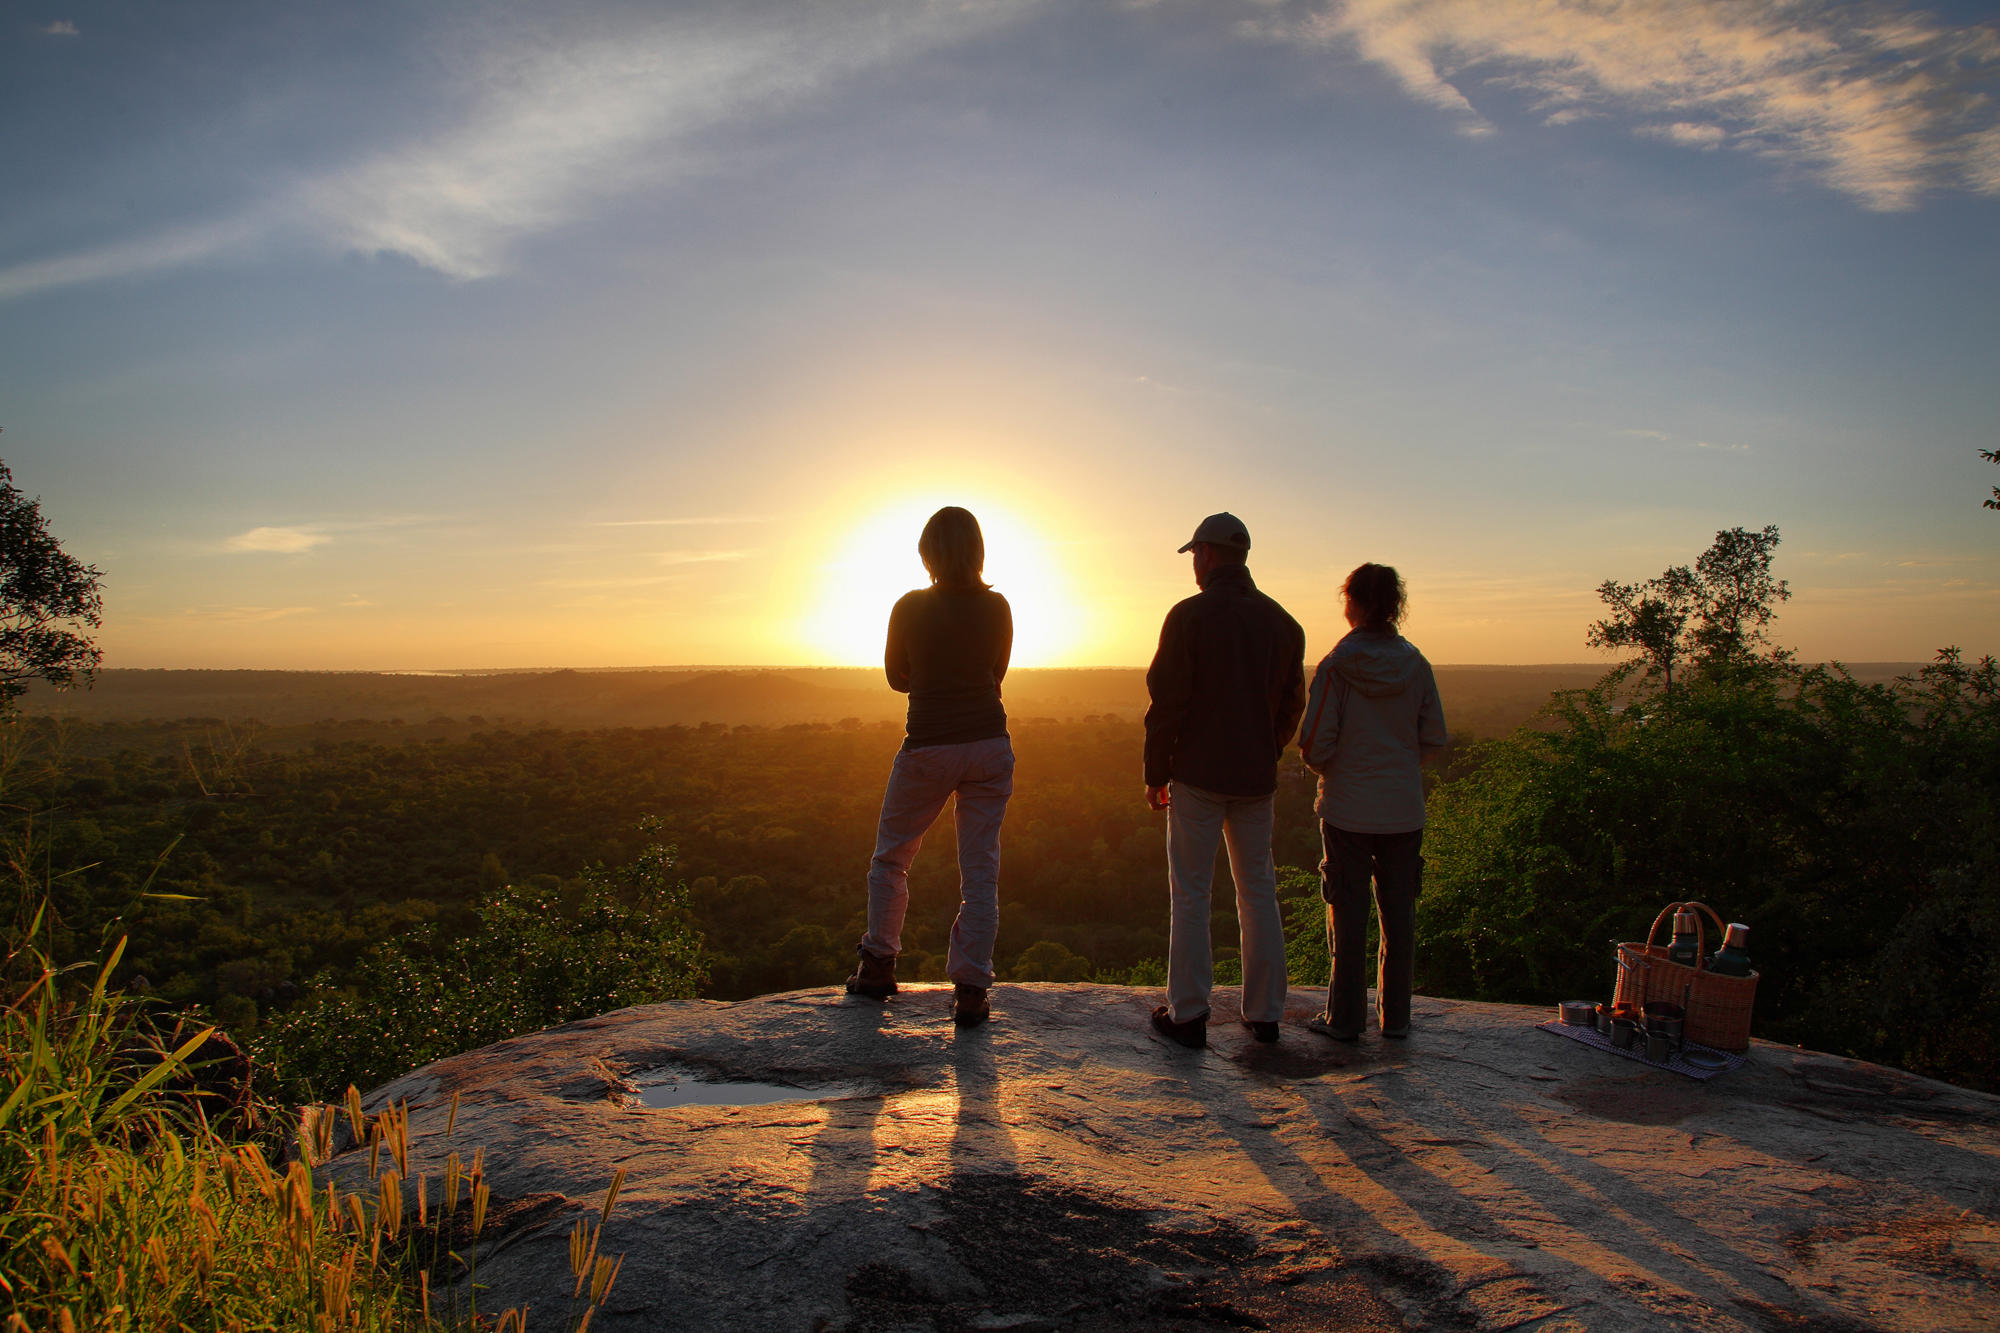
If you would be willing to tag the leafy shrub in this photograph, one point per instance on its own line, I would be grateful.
(1046, 960)
(537, 956)
(1851, 825)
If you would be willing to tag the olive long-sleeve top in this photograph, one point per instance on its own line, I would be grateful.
(948, 650)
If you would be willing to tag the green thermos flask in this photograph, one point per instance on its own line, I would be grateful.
(1685, 947)
(1732, 959)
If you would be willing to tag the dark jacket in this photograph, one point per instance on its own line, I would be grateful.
(1228, 686)
(948, 650)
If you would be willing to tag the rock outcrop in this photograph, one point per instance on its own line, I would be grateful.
(1063, 1168)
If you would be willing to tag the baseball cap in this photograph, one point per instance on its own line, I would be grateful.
(1220, 530)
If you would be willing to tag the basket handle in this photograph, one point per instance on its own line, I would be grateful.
(1721, 931)
(1700, 934)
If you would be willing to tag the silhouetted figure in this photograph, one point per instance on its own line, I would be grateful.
(1374, 710)
(948, 649)
(1227, 687)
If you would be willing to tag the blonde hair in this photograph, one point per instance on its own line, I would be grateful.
(953, 550)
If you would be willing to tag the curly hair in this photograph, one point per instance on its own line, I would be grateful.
(1378, 594)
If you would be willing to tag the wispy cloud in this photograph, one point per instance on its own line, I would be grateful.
(622, 581)
(151, 254)
(1884, 104)
(59, 28)
(705, 520)
(1688, 134)
(245, 615)
(279, 541)
(541, 133)
(699, 557)
(1722, 448)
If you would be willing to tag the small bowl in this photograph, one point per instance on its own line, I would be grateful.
(1578, 1013)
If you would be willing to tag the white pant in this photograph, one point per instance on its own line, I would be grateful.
(1196, 820)
(981, 773)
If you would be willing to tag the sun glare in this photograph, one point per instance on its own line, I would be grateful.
(878, 563)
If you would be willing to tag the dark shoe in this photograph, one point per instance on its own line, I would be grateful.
(1327, 1029)
(968, 1005)
(1265, 1032)
(1192, 1034)
(874, 978)
(1396, 1034)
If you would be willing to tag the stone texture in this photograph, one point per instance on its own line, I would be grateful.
(1064, 1168)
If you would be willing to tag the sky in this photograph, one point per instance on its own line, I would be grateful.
(476, 335)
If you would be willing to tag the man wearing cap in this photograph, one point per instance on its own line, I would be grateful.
(1228, 688)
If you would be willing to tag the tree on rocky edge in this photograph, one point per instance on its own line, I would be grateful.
(48, 602)
(1713, 613)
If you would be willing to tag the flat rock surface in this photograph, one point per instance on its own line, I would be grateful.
(1065, 1168)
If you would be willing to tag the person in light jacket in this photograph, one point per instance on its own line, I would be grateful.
(1372, 712)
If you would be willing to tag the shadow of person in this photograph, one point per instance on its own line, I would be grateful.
(981, 1145)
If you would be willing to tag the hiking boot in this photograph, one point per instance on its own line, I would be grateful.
(875, 978)
(1264, 1032)
(1192, 1034)
(1326, 1029)
(968, 1005)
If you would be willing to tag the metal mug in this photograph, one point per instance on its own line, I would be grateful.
(1659, 1047)
(1624, 1033)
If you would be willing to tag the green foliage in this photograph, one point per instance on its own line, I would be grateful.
(536, 957)
(48, 599)
(1850, 825)
(1307, 959)
(1045, 960)
(314, 844)
(1991, 456)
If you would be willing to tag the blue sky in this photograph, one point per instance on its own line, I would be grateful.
(484, 335)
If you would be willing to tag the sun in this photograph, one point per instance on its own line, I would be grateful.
(877, 562)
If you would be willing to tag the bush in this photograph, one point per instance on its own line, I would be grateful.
(537, 956)
(1852, 826)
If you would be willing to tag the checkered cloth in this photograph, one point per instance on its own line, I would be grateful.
(1674, 1062)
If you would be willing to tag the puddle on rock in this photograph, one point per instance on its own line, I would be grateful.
(673, 1085)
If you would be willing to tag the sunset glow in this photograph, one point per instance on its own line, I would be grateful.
(463, 336)
(877, 563)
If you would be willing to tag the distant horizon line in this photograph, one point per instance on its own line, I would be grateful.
(771, 667)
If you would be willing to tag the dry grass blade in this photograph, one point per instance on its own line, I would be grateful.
(611, 1196)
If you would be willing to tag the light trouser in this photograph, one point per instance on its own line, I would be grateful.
(1395, 864)
(1196, 821)
(981, 774)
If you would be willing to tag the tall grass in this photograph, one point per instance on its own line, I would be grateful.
(122, 1207)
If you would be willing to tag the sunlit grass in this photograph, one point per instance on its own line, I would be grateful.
(125, 1209)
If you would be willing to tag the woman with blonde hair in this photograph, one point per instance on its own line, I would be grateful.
(1372, 712)
(947, 649)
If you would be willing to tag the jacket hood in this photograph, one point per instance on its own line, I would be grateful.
(1376, 663)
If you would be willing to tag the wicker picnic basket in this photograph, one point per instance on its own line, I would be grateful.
(1718, 1007)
